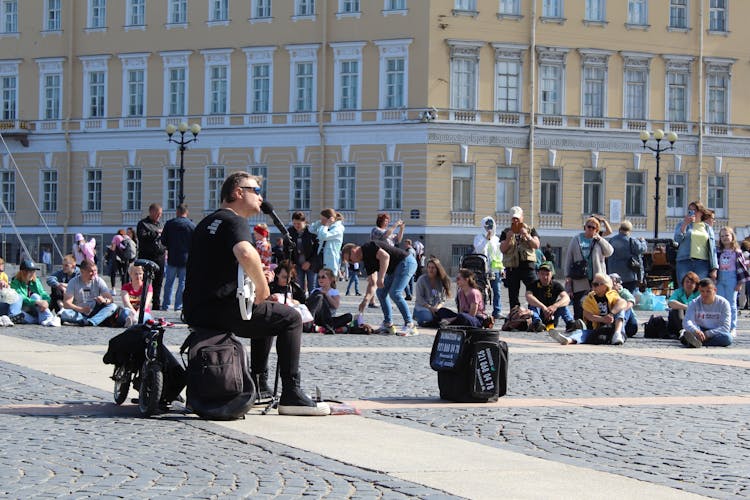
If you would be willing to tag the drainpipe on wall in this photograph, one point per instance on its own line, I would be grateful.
(701, 87)
(532, 113)
(322, 105)
(66, 122)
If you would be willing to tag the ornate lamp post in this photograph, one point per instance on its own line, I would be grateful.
(182, 128)
(658, 136)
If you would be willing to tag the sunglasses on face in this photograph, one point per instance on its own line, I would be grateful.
(592, 227)
(253, 189)
(597, 283)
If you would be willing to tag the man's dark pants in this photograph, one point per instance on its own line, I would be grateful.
(513, 278)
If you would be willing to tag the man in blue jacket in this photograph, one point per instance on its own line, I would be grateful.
(176, 237)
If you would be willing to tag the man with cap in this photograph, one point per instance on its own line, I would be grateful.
(548, 301)
(518, 243)
(629, 321)
(35, 308)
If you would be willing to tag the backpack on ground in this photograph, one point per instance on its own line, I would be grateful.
(519, 318)
(656, 328)
(219, 384)
(126, 250)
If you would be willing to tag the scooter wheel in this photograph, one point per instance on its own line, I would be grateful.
(122, 377)
(152, 383)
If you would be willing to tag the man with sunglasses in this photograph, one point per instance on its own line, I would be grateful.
(221, 241)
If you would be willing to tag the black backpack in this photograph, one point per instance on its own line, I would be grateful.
(126, 250)
(656, 328)
(219, 385)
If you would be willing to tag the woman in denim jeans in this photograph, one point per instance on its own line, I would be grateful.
(697, 250)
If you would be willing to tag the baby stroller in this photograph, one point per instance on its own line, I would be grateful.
(140, 357)
(479, 264)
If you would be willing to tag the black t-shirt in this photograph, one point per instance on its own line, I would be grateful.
(547, 295)
(211, 284)
(370, 249)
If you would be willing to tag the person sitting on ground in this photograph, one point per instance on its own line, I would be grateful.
(131, 297)
(470, 304)
(602, 307)
(629, 321)
(394, 266)
(58, 281)
(548, 301)
(286, 290)
(11, 302)
(433, 288)
(323, 303)
(35, 308)
(87, 301)
(708, 318)
(678, 303)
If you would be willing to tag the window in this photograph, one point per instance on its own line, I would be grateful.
(463, 188)
(177, 13)
(261, 88)
(94, 190)
(594, 87)
(8, 189)
(394, 83)
(550, 89)
(176, 92)
(52, 13)
(718, 85)
(346, 187)
(349, 6)
(349, 97)
(304, 8)
(173, 187)
(218, 90)
(49, 190)
(506, 192)
(595, 11)
(52, 91)
(136, 15)
(10, 16)
(510, 7)
(214, 181)
(301, 187)
(717, 195)
(676, 190)
(508, 86)
(718, 15)
(395, 5)
(304, 87)
(638, 12)
(97, 14)
(261, 171)
(458, 252)
(133, 189)
(678, 14)
(219, 10)
(466, 5)
(552, 8)
(96, 94)
(9, 93)
(261, 9)
(593, 188)
(392, 180)
(635, 93)
(635, 191)
(136, 89)
(347, 86)
(464, 65)
(677, 85)
(393, 73)
(550, 190)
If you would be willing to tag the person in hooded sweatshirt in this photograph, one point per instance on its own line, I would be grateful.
(487, 243)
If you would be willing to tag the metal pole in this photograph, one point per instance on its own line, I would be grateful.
(182, 170)
(656, 196)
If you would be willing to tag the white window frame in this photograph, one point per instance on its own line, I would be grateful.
(509, 8)
(135, 13)
(346, 187)
(553, 9)
(91, 65)
(52, 15)
(304, 9)
(391, 50)
(718, 193)
(347, 81)
(634, 64)
(260, 9)
(676, 193)
(637, 12)
(50, 66)
(392, 186)
(213, 59)
(132, 182)
(718, 68)
(215, 175)
(465, 5)
(218, 12)
(677, 65)
(464, 74)
(258, 57)
(92, 187)
(506, 187)
(8, 189)
(260, 171)
(48, 192)
(301, 187)
(549, 59)
(303, 54)
(508, 55)
(134, 62)
(174, 60)
(594, 60)
(595, 11)
(717, 15)
(177, 13)
(679, 11)
(588, 197)
(171, 185)
(550, 190)
(9, 17)
(395, 6)
(635, 193)
(462, 201)
(97, 15)
(9, 98)
(349, 7)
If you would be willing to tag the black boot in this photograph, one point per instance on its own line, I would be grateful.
(261, 385)
(294, 401)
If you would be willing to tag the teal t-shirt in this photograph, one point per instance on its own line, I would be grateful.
(680, 296)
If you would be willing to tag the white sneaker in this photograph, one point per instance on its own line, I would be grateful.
(409, 330)
(319, 410)
(733, 332)
(5, 321)
(692, 339)
(387, 329)
(129, 321)
(56, 322)
(562, 339)
(618, 338)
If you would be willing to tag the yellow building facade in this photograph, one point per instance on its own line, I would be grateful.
(439, 112)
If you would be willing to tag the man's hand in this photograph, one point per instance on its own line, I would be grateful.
(305, 266)
(42, 305)
(701, 336)
(607, 319)
(380, 282)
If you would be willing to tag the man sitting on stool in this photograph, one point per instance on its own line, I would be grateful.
(708, 318)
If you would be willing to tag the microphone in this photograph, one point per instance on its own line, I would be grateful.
(267, 209)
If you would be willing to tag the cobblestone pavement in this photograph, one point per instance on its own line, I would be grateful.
(51, 447)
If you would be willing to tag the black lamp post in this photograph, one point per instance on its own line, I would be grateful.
(182, 128)
(659, 136)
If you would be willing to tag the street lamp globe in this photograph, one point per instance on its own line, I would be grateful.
(645, 135)
(195, 128)
(658, 134)
(672, 137)
(170, 129)
(182, 127)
